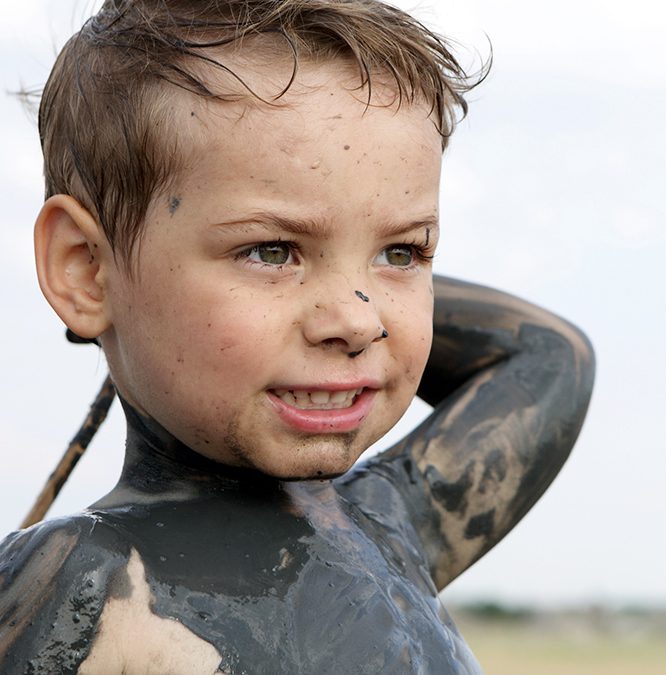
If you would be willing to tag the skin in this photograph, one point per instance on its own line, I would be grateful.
(204, 558)
(511, 384)
(209, 328)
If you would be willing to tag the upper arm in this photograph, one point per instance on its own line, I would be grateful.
(54, 580)
(512, 383)
(74, 598)
(29, 565)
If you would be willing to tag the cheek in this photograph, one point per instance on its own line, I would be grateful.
(414, 329)
(419, 350)
(233, 339)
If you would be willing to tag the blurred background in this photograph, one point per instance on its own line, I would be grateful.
(554, 190)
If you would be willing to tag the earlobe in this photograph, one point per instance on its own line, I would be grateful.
(69, 250)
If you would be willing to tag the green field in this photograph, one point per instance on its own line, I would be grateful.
(567, 644)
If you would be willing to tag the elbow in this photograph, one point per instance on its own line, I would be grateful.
(581, 370)
(563, 360)
(584, 363)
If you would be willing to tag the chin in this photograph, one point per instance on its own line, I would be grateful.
(320, 460)
(308, 471)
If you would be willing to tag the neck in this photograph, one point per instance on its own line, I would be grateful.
(158, 466)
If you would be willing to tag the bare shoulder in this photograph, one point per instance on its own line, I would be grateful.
(51, 580)
(74, 598)
(30, 562)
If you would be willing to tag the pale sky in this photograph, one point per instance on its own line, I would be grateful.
(553, 190)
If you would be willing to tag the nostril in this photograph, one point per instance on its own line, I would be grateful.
(334, 342)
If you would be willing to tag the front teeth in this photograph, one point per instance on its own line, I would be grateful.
(319, 397)
(318, 400)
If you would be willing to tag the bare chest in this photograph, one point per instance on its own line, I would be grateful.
(296, 591)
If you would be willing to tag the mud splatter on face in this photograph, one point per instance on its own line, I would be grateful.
(362, 296)
(174, 204)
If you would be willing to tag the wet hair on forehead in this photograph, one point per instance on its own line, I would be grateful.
(106, 118)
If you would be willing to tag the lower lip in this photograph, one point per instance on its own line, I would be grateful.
(336, 421)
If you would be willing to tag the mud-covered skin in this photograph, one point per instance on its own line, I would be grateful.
(278, 577)
(256, 575)
(511, 384)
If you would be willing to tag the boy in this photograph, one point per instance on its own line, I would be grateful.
(242, 209)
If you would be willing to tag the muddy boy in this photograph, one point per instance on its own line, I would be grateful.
(242, 208)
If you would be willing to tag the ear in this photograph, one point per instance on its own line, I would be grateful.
(69, 252)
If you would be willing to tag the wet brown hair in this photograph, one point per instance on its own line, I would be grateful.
(104, 119)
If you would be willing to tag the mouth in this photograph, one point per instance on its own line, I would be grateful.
(319, 399)
(323, 411)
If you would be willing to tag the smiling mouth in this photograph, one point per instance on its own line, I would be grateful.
(318, 400)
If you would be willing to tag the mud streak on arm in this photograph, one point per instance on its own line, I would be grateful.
(511, 384)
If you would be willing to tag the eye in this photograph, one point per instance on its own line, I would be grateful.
(270, 253)
(396, 256)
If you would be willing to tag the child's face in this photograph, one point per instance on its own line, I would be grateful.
(291, 243)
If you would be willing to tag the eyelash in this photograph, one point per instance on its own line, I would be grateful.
(418, 250)
(420, 255)
(294, 251)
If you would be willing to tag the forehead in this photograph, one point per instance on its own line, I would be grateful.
(261, 97)
(321, 146)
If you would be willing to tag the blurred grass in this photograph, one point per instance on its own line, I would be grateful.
(567, 643)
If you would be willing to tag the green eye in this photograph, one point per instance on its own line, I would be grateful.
(271, 253)
(397, 256)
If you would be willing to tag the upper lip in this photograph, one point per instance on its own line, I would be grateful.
(331, 386)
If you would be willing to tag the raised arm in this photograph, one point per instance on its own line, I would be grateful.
(510, 384)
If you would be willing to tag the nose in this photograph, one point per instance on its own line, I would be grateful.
(343, 315)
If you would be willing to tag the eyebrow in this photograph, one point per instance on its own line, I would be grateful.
(322, 228)
(392, 229)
